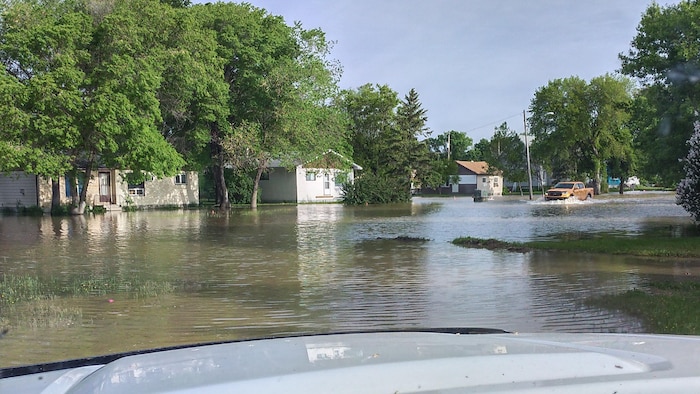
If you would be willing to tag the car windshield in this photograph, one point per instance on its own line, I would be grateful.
(175, 172)
(564, 185)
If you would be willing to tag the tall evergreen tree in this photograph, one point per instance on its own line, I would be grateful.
(406, 157)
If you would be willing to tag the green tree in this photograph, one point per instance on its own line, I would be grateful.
(506, 152)
(404, 157)
(389, 140)
(479, 151)
(445, 149)
(665, 58)
(86, 75)
(279, 83)
(371, 110)
(451, 145)
(579, 127)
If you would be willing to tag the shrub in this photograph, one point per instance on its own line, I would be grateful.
(688, 190)
(375, 189)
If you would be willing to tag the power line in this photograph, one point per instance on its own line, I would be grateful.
(494, 122)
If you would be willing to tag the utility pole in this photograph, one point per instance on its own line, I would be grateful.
(527, 154)
(449, 144)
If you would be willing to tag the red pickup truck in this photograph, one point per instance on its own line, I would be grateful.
(565, 190)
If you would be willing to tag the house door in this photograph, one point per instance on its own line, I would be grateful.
(326, 184)
(105, 187)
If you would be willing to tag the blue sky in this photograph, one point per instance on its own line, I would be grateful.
(474, 64)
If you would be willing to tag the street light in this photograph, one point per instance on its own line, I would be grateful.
(527, 153)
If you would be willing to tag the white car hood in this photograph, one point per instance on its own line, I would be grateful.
(395, 362)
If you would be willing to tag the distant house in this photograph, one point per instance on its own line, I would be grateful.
(106, 188)
(319, 180)
(476, 175)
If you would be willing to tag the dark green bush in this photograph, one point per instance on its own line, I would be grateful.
(375, 189)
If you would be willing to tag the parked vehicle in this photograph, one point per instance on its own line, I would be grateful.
(632, 181)
(565, 190)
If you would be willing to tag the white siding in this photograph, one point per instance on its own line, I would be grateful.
(18, 188)
(313, 191)
(280, 187)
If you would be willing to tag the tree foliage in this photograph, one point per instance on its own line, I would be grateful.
(665, 58)
(580, 127)
(386, 137)
(279, 87)
(79, 88)
(444, 150)
(371, 110)
(506, 153)
(451, 145)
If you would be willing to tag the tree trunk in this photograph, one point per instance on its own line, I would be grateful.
(256, 184)
(80, 199)
(220, 189)
(55, 194)
(75, 195)
(622, 187)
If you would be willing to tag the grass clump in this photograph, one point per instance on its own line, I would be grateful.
(27, 301)
(491, 244)
(644, 246)
(14, 289)
(665, 308)
(46, 313)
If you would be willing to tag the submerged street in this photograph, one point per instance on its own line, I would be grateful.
(320, 268)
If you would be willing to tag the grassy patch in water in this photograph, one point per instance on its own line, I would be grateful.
(646, 246)
(22, 288)
(490, 243)
(670, 308)
(27, 301)
(46, 313)
(666, 308)
(14, 289)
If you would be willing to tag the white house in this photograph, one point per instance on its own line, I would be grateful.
(316, 181)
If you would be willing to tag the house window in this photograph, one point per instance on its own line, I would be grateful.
(495, 182)
(311, 176)
(137, 189)
(483, 180)
(80, 185)
(181, 179)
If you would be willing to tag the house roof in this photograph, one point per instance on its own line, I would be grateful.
(321, 161)
(477, 167)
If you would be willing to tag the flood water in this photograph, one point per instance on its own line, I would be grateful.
(320, 268)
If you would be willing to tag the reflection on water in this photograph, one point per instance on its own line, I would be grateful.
(320, 268)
